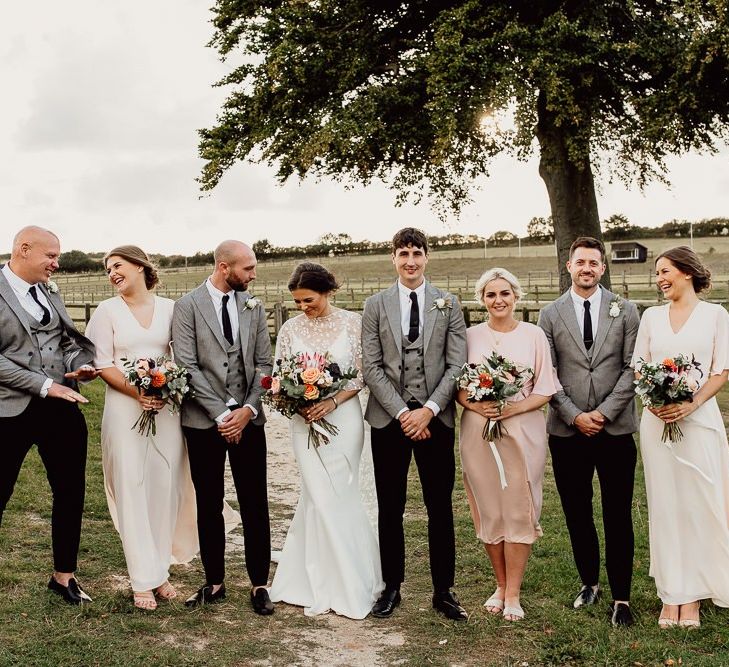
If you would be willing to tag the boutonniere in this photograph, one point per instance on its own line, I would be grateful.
(616, 305)
(52, 287)
(442, 305)
(252, 303)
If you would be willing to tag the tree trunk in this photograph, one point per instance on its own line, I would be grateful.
(571, 190)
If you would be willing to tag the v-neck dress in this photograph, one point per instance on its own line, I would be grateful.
(147, 480)
(687, 483)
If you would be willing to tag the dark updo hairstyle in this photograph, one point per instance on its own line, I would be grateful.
(688, 262)
(135, 255)
(314, 277)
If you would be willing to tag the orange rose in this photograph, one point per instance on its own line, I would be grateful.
(311, 392)
(669, 364)
(485, 380)
(310, 375)
(158, 380)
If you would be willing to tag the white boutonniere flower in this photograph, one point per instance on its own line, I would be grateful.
(253, 303)
(616, 305)
(442, 305)
(52, 287)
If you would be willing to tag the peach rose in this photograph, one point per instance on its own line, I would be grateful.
(275, 385)
(310, 375)
(311, 392)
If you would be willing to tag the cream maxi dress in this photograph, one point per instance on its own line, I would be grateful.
(330, 560)
(147, 480)
(687, 483)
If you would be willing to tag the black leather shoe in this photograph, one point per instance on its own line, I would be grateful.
(73, 593)
(620, 614)
(205, 595)
(386, 603)
(262, 602)
(586, 596)
(447, 603)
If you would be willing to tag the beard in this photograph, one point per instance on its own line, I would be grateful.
(236, 284)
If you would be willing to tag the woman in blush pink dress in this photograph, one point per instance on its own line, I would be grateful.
(507, 519)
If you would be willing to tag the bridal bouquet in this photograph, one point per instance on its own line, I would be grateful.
(672, 380)
(302, 380)
(496, 378)
(159, 378)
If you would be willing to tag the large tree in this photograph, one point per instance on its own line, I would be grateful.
(411, 92)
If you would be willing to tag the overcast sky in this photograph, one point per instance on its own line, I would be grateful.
(101, 102)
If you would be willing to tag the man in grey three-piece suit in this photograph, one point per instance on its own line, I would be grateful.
(220, 335)
(42, 355)
(413, 344)
(592, 333)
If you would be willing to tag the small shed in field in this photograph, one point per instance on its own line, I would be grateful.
(628, 252)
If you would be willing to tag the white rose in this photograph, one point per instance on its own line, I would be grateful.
(614, 310)
(252, 303)
(52, 287)
(440, 303)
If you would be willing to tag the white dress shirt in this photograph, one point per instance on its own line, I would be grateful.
(217, 296)
(405, 305)
(21, 289)
(579, 304)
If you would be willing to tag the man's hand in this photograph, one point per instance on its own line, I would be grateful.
(588, 424)
(65, 393)
(83, 374)
(234, 423)
(415, 422)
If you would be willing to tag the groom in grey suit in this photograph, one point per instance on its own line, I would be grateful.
(42, 356)
(220, 335)
(413, 344)
(592, 332)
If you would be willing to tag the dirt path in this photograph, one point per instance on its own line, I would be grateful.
(335, 640)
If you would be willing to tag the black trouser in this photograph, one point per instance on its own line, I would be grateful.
(58, 429)
(575, 460)
(207, 450)
(391, 454)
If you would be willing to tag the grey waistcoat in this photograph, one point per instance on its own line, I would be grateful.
(235, 379)
(49, 338)
(412, 378)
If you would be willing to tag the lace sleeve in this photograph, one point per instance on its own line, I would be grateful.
(283, 341)
(354, 336)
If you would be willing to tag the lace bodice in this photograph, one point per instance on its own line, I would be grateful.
(339, 334)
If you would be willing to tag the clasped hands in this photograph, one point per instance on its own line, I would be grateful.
(493, 410)
(590, 423)
(233, 424)
(414, 423)
(317, 411)
(674, 411)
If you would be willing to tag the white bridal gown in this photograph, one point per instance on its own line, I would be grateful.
(330, 560)
(687, 483)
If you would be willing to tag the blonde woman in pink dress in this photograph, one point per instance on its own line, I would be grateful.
(507, 519)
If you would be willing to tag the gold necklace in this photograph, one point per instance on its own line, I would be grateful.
(494, 332)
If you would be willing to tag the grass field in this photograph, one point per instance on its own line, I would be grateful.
(37, 629)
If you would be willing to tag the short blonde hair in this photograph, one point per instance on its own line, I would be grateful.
(494, 274)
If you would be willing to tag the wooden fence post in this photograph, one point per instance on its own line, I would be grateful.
(87, 313)
(466, 315)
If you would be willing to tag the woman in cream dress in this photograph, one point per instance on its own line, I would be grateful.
(687, 483)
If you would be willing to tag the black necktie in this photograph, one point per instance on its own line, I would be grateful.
(414, 330)
(46, 314)
(587, 331)
(227, 328)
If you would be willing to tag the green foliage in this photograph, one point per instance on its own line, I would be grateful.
(76, 261)
(541, 229)
(400, 90)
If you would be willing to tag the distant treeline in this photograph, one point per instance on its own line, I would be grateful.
(539, 231)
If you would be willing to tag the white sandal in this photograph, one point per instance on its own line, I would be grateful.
(517, 612)
(496, 603)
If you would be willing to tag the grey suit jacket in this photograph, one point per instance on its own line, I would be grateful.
(606, 372)
(199, 345)
(21, 376)
(444, 352)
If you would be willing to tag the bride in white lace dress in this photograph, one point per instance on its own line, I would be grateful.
(330, 560)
